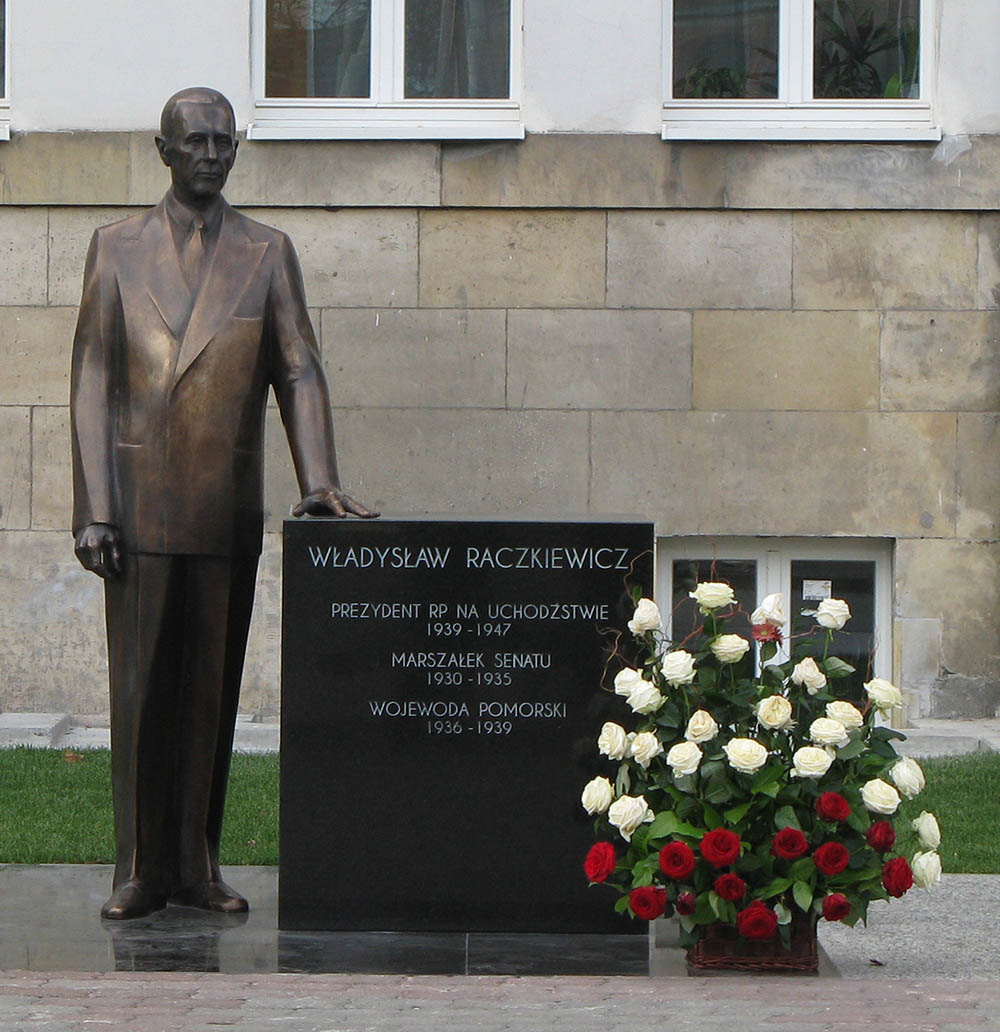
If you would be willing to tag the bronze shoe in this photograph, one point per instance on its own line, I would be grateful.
(216, 896)
(133, 899)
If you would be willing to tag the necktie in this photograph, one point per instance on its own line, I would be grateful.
(194, 254)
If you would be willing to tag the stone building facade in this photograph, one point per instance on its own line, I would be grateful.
(754, 340)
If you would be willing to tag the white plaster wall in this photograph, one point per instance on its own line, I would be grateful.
(968, 77)
(589, 65)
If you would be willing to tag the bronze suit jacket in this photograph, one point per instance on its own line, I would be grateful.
(168, 400)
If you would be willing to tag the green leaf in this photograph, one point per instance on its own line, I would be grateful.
(668, 823)
(785, 817)
(621, 904)
(715, 902)
(834, 667)
(712, 818)
(687, 922)
(736, 813)
(803, 895)
(768, 650)
(707, 676)
(802, 868)
(776, 888)
(855, 749)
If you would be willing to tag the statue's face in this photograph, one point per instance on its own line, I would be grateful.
(200, 150)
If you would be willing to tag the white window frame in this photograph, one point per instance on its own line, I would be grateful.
(5, 84)
(794, 115)
(386, 115)
(774, 558)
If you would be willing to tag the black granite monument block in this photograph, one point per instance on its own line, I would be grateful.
(441, 698)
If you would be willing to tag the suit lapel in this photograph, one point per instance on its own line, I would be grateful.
(156, 257)
(232, 266)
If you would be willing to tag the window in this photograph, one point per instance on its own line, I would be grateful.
(798, 69)
(804, 570)
(397, 69)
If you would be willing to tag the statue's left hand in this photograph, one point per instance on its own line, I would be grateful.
(331, 501)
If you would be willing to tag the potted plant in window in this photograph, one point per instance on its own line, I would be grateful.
(743, 794)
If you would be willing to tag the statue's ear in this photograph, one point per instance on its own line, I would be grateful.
(161, 146)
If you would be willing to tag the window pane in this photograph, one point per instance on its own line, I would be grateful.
(318, 48)
(867, 49)
(457, 48)
(740, 574)
(854, 582)
(725, 48)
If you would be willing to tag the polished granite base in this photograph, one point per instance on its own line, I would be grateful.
(49, 921)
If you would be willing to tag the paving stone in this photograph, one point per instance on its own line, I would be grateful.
(786, 360)
(941, 360)
(978, 476)
(508, 259)
(685, 259)
(869, 260)
(23, 255)
(599, 359)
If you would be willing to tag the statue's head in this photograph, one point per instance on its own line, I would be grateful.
(198, 143)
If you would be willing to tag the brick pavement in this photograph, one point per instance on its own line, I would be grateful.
(165, 1002)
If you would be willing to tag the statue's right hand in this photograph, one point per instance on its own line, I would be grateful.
(98, 547)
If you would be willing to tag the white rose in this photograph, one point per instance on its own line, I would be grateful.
(627, 812)
(884, 695)
(745, 755)
(613, 741)
(644, 698)
(597, 795)
(684, 758)
(907, 777)
(810, 762)
(879, 796)
(850, 716)
(826, 731)
(807, 673)
(774, 712)
(832, 613)
(926, 869)
(627, 680)
(678, 667)
(770, 611)
(644, 747)
(729, 648)
(646, 617)
(712, 595)
(701, 727)
(926, 827)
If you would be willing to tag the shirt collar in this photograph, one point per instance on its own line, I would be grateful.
(183, 215)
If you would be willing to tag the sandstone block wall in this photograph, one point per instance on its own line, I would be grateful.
(744, 339)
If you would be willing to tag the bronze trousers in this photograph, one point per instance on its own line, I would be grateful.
(177, 630)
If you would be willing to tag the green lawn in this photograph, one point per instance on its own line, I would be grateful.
(56, 808)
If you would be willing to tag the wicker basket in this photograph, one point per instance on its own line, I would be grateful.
(721, 948)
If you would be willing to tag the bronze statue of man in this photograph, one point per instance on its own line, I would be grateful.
(190, 313)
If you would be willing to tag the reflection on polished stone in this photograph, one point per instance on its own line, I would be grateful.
(49, 921)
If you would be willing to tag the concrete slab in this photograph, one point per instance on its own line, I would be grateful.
(41, 730)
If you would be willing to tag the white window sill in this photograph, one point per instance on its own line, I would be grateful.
(362, 120)
(4, 120)
(817, 120)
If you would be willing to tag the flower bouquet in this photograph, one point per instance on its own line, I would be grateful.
(748, 798)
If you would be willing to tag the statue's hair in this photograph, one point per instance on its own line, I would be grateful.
(192, 95)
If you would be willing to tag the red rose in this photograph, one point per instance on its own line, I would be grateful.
(831, 857)
(832, 806)
(789, 844)
(600, 861)
(836, 906)
(897, 876)
(649, 902)
(686, 903)
(720, 847)
(757, 921)
(730, 886)
(881, 836)
(676, 860)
